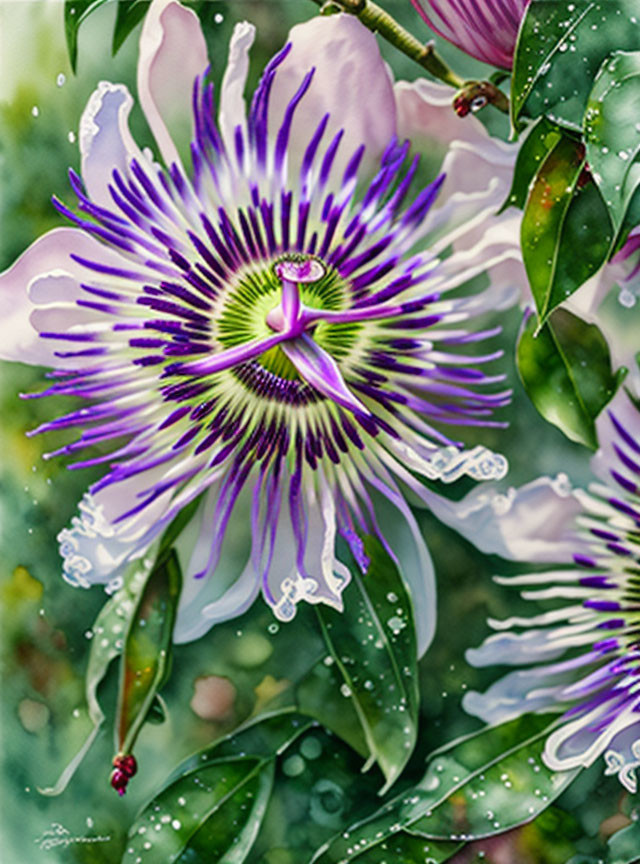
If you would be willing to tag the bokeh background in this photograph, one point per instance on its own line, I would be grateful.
(238, 669)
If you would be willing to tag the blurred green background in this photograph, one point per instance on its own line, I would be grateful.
(238, 668)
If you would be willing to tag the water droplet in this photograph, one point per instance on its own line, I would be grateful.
(60, 80)
(293, 766)
(35, 111)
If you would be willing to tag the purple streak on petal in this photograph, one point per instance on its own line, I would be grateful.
(319, 369)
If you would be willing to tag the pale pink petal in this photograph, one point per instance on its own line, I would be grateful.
(172, 53)
(49, 254)
(351, 83)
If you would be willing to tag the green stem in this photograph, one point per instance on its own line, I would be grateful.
(379, 21)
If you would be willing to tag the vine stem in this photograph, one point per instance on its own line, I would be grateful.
(470, 96)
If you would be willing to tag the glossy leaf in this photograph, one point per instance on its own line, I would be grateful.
(373, 645)
(130, 13)
(612, 131)
(540, 141)
(146, 649)
(566, 370)
(624, 845)
(75, 12)
(560, 48)
(481, 785)
(107, 643)
(405, 848)
(559, 218)
(213, 808)
(319, 789)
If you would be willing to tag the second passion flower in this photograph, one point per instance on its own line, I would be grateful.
(256, 322)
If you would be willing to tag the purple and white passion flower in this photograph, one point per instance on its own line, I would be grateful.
(582, 656)
(484, 29)
(256, 321)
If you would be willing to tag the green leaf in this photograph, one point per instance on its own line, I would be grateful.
(478, 786)
(130, 13)
(612, 131)
(373, 645)
(560, 48)
(213, 809)
(404, 848)
(566, 370)
(624, 845)
(535, 148)
(559, 218)
(107, 643)
(146, 649)
(75, 12)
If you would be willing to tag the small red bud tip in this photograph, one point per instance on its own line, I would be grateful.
(124, 767)
(119, 781)
(461, 106)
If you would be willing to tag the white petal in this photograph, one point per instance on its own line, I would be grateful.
(580, 742)
(532, 523)
(233, 110)
(351, 83)
(514, 648)
(22, 286)
(515, 694)
(172, 53)
(105, 140)
(230, 588)
(323, 578)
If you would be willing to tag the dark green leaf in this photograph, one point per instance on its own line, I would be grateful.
(559, 218)
(481, 785)
(535, 148)
(130, 13)
(319, 695)
(612, 131)
(107, 643)
(213, 809)
(560, 48)
(405, 848)
(75, 12)
(146, 649)
(373, 646)
(319, 790)
(566, 371)
(264, 738)
(624, 846)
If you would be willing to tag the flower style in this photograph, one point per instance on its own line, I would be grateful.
(583, 656)
(485, 29)
(255, 325)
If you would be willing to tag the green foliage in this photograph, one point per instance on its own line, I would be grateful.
(624, 845)
(476, 787)
(75, 12)
(565, 367)
(373, 645)
(612, 131)
(560, 48)
(130, 13)
(147, 649)
(540, 141)
(559, 218)
(213, 808)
